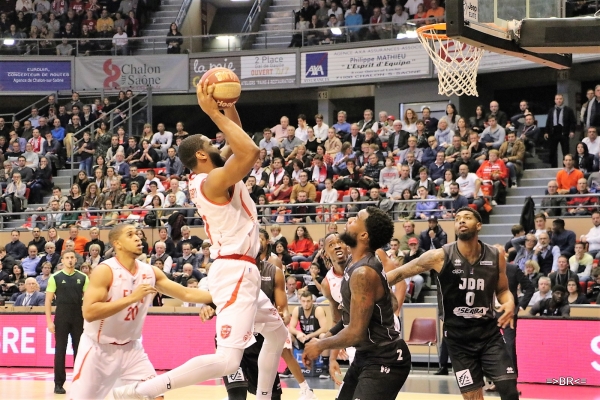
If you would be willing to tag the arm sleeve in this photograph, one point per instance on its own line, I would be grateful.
(337, 328)
(51, 285)
(86, 284)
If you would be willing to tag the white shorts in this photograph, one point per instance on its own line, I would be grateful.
(242, 308)
(100, 367)
(288, 342)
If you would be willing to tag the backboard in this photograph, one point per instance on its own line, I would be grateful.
(495, 25)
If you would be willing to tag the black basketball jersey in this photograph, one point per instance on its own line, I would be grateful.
(467, 293)
(383, 344)
(267, 279)
(308, 324)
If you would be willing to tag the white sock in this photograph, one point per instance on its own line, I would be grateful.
(199, 369)
(268, 361)
(304, 385)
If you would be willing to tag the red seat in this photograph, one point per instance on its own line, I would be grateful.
(318, 198)
(305, 265)
(423, 333)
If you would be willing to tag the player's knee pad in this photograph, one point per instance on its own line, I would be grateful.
(230, 360)
(237, 393)
(507, 389)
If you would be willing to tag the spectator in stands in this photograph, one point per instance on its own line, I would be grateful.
(434, 236)
(302, 247)
(438, 168)
(30, 262)
(584, 161)
(590, 114)
(412, 148)
(16, 249)
(532, 272)
(388, 173)
(512, 153)
(174, 40)
(444, 134)
(465, 158)
(290, 142)
(159, 250)
(494, 172)
(478, 149)
(426, 209)
(162, 140)
(470, 186)
(584, 203)
(105, 22)
(406, 209)
(591, 141)
(435, 14)
(556, 306)
(398, 138)
(305, 186)
(149, 157)
(303, 213)
(493, 136)
(14, 196)
(280, 130)
(424, 181)
(593, 291)
(560, 126)
(547, 254)
(371, 172)
(553, 205)
(320, 172)
(563, 238)
(593, 236)
(399, 18)
(454, 202)
(413, 165)
(529, 133)
(120, 42)
(453, 151)
(64, 48)
(574, 294)
(568, 177)
(397, 186)
(430, 153)
(525, 250)
(543, 291)
(342, 128)
(581, 263)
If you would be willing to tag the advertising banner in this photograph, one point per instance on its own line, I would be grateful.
(35, 76)
(537, 340)
(255, 72)
(25, 341)
(376, 64)
(161, 72)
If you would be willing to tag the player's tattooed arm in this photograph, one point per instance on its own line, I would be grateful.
(432, 259)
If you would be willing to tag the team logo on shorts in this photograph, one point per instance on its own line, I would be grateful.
(247, 336)
(225, 331)
(464, 378)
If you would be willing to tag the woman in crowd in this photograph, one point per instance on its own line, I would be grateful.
(452, 116)
(12, 284)
(349, 176)
(574, 293)
(264, 212)
(372, 138)
(282, 192)
(134, 197)
(409, 121)
(100, 164)
(69, 217)
(42, 278)
(56, 239)
(14, 196)
(345, 154)
(444, 190)
(174, 40)
(329, 194)
(180, 131)
(149, 156)
(312, 142)
(425, 209)
(294, 169)
(42, 182)
(353, 209)
(300, 154)
(333, 144)
(99, 179)
(111, 216)
(147, 133)
(584, 161)
(110, 175)
(94, 258)
(163, 236)
(76, 196)
(405, 209)
(82, 180)
(532, 272)
(462, 130)
(102, 140)
(142, 237)
(478, 121)
(86, 269)
(204, 260)
(302, 247)
(444, 133)
(92, 200)
(123, 137)
(282, 253)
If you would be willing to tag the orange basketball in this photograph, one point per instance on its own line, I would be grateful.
(227, 86)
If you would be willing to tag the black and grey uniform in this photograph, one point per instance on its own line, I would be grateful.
(308, 324)
(382, 361)
(466, 301)
(247, 374)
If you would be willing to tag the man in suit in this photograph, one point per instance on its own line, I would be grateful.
(398, 139)
(560, 127)
(31, 296)
(51, 256)
(355, 138)
(413, 164)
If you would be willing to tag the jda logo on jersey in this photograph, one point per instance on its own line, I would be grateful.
(316, 65)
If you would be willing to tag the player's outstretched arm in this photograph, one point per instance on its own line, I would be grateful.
(245, 151)
(170, 288)
(503, 294)
(96, 307)
(432, 259)
(363, 285)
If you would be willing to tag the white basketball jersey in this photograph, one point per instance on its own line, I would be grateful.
(232, 228)
(127, 324)
(335, 285)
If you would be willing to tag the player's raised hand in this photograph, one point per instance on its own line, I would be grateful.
(207, 313)
(311, 352)
(507, 318)
(207, 103)
(142, 291)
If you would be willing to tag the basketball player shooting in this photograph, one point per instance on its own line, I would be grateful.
(231, 225)
(471, 274)
(115, 307)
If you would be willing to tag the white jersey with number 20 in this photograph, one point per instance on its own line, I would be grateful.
(232, 227)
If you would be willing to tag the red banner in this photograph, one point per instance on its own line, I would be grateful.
(560, 352)
(25, 341)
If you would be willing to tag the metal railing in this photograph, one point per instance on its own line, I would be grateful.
(25, 113)
(218, 43)
(185, 7)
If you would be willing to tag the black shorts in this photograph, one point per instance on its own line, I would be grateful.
(472, 359)
(247, 374)
(373, 382)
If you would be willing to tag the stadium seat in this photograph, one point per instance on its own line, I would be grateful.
(305, 265)
(423, 333)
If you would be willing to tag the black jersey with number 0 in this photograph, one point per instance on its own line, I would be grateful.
(467, 293)
(383, 344)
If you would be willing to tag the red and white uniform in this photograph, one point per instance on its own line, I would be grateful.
(110, 349)
(335, 285)
(234, 280)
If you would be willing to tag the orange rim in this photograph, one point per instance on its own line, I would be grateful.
(425, 31)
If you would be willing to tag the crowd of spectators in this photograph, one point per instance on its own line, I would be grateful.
(385, 19)
(57, 24)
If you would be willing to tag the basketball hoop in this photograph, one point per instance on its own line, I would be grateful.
(456, 62)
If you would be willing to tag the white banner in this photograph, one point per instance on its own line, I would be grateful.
(267, 70)
(162, 72)
(492, 62)
(377, 64)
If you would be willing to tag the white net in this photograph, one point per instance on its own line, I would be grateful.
(456, 62)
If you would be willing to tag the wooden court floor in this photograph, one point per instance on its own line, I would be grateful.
(26, 384)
